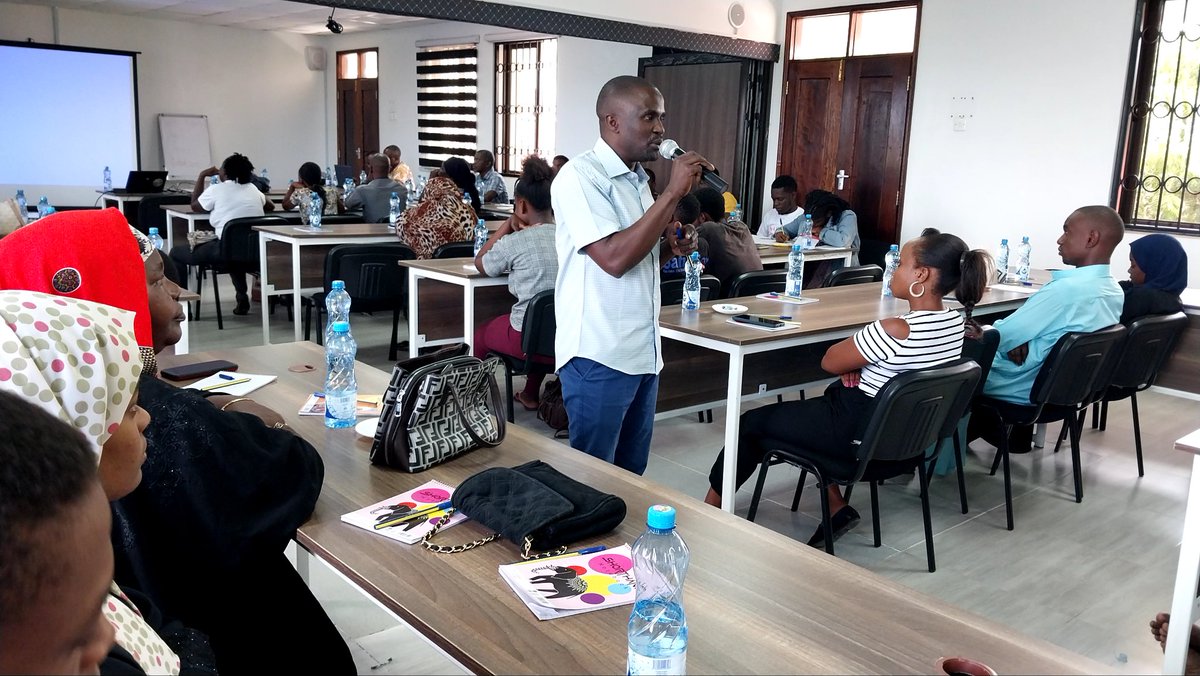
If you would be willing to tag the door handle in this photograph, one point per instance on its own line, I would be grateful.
(358, 154)
(841, 177)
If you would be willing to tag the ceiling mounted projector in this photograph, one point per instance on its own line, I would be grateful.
(333, 26)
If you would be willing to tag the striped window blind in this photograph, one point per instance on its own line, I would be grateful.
(447, 103)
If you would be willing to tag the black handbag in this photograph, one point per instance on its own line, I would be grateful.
(436, 407)
(534, 506)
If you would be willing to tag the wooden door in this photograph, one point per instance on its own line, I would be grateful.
(848, 116)
(358, 121)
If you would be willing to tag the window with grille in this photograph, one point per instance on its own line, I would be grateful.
(525, 101)
(1159, 169)
(447, 103)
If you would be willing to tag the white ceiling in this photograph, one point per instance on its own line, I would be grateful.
(267, 15)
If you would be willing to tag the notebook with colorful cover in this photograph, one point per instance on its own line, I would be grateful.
(409, 516)
(573, 583)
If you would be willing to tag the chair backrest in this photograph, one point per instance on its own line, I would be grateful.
(671, 290)
(916, 409)
(334, 219)
(1077, 368)
(872, 251)
(1149, 343)
(982, 351)
(373, 279)
(455, 250)
(855, 274)
(759, 281)
(150, 214)
(239, 239)
(537, 331)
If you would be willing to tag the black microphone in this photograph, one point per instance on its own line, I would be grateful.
(669, 149)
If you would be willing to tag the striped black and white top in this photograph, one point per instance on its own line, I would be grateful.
(934, 338)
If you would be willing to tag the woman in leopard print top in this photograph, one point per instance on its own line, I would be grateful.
(439, 218)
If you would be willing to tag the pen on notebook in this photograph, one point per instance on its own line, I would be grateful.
(217, 386)
(585, 550)
(225, 376)
(413, 515)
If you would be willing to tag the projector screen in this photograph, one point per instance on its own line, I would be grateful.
(68, 113)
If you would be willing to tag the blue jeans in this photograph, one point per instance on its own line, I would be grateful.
(611, 413)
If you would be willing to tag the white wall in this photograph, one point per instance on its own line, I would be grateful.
(583, 66)
(700, 16)
(260, 98)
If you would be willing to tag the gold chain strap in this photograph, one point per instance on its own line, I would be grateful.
(458, 549)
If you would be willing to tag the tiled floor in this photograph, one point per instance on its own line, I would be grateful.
(1085, 576)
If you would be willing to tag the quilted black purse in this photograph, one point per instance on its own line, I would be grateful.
(436, 407)
(534, 506)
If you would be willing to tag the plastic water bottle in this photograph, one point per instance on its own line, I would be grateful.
(265, 178)
(657, 629)
(337, 305)
(691, 282)
(1023, 251)
(329, 176)
(795, 271)
(806, 231)
(393, 211)
(22, 203)
(216, 180)
(736, 214)
(44, 208)
(107, 179)
(347, 187)
(421, 187)
(1002, 261)
(891, 261)
(155, 239)
(481, 235)
(362, 177)
(466, 198)
(316, 208)
(341, 388)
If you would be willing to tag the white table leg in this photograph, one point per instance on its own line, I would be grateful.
(413, 279)
(1187, 575)
(733, 414)
(265, 283)
(296, 336)
(469, 316)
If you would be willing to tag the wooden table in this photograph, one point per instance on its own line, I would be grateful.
(778, 255)
(437, 288)
(758, 361)
(302, 251)
(1184, 608)
(757, 602)
(1182, 372)
(123, 200)
(182, 220)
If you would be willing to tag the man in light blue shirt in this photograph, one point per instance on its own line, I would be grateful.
(489, 183)
(607, 346)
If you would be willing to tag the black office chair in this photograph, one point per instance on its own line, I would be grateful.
(671, 290)
(239, 253)
(981, 351)
(455, 250)
(537, 340)
(857, 274)
(1066, 383)
(759, 281)
(151, 215)
(912, 411)
(1147, 348)
(373, 279)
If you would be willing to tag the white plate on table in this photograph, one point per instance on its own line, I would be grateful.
(730, 309)
(366, 428)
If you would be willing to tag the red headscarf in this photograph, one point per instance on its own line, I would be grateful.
(87, 255)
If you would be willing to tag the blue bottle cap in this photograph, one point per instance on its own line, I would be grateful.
(1025, 240)
(895, 247)
(695, 256)
(395, 195)
(1004, 242)
(796, 246)
(660, 517)
(153, 231)
(341, 327)
(479, 223)
(337, 284)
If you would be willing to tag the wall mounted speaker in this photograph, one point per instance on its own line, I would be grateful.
(736, 15)
(314, 58)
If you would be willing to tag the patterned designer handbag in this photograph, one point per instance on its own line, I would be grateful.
(436, 407)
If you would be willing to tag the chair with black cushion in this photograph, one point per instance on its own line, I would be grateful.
(872, 251)
(671, 290)
(759, 281)
(912, 411)
(856, 274)
(151, 214)
(373, 279)
(1076, 368)
(239, 253)
(537, 340)
(336, 219)
(1147, 347)
(981, 351)
(455, 250)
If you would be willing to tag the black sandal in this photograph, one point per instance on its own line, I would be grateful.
(841, 522)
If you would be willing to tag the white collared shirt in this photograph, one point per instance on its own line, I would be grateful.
(610, 320)
(772, 219)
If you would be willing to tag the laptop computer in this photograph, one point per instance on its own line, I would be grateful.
(143, 182)
(342, 172)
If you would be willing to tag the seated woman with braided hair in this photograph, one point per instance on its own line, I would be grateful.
(929, 334)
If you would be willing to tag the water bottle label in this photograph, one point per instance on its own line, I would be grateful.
(657, 666)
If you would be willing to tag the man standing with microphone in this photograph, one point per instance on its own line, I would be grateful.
(607, 348)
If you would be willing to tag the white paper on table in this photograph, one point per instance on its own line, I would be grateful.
(784, 298)
(238, 390)
(1016, 288)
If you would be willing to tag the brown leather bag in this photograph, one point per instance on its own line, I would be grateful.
(552, 410)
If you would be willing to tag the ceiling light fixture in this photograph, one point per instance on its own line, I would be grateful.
(333, 26)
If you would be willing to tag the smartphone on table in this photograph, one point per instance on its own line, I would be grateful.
(755, 320)
(198, 370)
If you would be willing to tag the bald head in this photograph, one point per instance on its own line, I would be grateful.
(618, 91)
(631, 111)
(380, 165)
(1090, 235)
